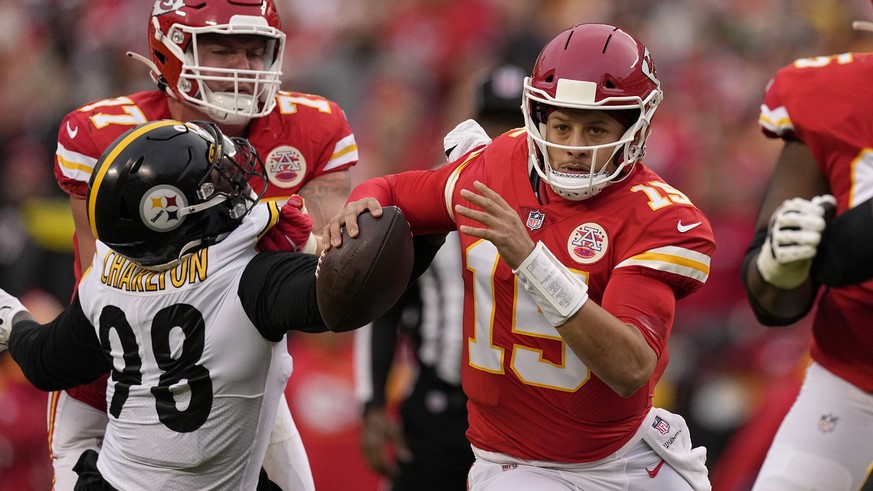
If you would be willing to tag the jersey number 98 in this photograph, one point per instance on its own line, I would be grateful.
(176, 367)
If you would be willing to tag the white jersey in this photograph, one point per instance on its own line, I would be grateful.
(195, 385)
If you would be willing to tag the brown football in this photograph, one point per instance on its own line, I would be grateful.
(359, 281)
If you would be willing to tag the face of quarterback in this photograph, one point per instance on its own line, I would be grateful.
(581, 128)
(235, 52)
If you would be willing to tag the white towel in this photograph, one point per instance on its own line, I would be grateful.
(463, 138)
(669, 437)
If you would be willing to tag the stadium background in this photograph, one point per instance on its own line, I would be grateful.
(402, 70)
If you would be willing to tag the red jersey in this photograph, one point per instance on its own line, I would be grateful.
(529, 395)
(819, 101)
(305, 136)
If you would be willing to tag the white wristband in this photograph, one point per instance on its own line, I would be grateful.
(556, 290)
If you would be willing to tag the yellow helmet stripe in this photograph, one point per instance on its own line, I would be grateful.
(98, 179)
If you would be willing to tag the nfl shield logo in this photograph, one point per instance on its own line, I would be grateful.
(535, 220)
(662, 426)
(827, 423)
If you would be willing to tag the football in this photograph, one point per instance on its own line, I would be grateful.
(359, 281)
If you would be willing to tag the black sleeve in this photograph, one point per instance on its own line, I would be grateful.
(62, 354)
(765, 316)
(277, 291)
(844, 256)
(426, 247)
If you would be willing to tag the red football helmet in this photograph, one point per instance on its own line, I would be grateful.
(174, 28)
(594, 67)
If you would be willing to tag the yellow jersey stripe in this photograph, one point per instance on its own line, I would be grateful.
(677, 260)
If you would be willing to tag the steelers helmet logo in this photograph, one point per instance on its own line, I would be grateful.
(588, 243)
(160, 206)
(285, 166)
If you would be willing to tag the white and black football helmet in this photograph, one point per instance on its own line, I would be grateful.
(165, 188)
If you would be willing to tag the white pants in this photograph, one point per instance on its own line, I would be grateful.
(637, 466)
(286, 462)
(825, 442)
(75, 427)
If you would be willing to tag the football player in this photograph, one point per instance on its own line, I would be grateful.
(216, 60)
(180, 307)
(430, 451)
(574, 255)
(825, 442)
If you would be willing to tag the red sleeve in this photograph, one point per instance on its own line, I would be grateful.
(642, 301)
(75, 156)
(774, 120)
(340, 150)
(421, 195)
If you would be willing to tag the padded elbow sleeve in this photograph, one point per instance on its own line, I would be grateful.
(844, 256)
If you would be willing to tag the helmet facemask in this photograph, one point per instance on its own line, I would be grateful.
(233, 164)
(624, 152)
(250, 93)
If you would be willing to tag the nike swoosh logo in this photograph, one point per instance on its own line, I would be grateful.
(685, 228)
(654, 472)
(72, 132)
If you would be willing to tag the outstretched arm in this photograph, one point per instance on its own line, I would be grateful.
(59, 355)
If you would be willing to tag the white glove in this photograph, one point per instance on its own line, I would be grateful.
(9, 308)
(463, 138)
(794, 232)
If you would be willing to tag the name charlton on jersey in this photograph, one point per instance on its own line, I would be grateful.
(118, 272)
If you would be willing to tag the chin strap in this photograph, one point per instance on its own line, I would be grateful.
(153, 71)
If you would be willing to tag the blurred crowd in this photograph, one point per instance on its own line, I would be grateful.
(402, 70)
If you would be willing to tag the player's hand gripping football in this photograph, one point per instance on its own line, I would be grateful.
(348, 218)
(794, 232)
(293, 231)
(9, 308)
